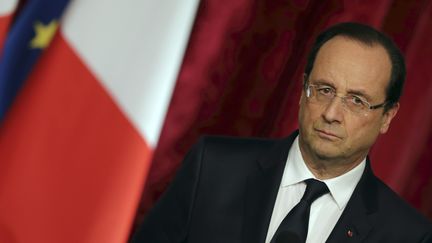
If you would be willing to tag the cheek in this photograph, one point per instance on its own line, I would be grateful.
(308, 112)
(312, 118)
(305, 117)
(362, 131)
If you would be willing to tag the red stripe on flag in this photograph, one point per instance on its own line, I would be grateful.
(4, 27)
(72, 166)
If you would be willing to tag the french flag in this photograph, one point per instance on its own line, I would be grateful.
(84, 88)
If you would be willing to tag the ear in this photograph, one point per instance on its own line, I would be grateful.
(388, 117)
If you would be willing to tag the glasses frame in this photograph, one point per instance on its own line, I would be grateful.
(368, 105)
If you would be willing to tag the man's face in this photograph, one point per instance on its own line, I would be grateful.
(331, 131)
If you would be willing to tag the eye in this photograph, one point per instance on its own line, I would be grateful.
(327, 91)
(358, 101)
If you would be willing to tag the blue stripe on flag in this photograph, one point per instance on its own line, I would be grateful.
(31, 32)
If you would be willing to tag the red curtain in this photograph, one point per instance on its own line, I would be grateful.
(242, 71)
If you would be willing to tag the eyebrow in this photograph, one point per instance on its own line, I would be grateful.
(361, 93)
(323, 82)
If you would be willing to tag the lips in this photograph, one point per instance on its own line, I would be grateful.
(327, 134)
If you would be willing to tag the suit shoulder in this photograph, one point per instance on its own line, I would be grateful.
(398, 211)
(240, 144)
(234, 139)
(238, 152)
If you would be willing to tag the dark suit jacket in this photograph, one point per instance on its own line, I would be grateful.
(226, 188)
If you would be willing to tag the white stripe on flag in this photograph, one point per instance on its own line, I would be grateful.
(7, 6)
(135, 48)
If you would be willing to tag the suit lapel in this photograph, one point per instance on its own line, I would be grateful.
(354, 223)
(262, 188)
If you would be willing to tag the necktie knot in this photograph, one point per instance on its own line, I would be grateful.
(314, 190)
(294, 227)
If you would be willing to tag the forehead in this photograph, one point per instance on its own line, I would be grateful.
(349, 64)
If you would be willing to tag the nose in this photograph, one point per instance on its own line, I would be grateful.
(334, 112)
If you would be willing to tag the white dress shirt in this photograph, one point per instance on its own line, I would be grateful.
(326, 210)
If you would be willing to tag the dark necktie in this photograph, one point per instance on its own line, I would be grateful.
(294, 227)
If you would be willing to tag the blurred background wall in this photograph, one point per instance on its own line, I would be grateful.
(241, 76)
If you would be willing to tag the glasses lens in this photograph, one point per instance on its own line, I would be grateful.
(324, 95)
(319, 94)
(356, 104)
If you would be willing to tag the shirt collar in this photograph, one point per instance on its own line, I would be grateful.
(341, 187)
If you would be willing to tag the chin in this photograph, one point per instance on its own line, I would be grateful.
(327, 151)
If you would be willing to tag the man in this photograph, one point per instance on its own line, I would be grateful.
(317, 184)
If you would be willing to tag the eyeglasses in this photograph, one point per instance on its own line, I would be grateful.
(323, 94)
